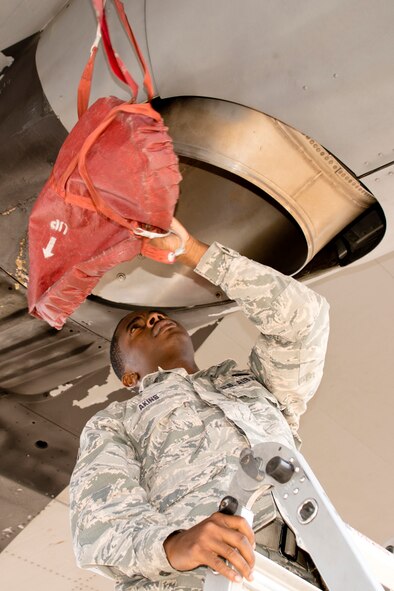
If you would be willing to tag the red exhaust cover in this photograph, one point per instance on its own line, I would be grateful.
(116, 167)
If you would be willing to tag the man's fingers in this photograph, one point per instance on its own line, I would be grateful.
(235, 522)
(239, 555)
(241, 546)
(218, 565)
(177, 227)
(234, 543)
(212, 542)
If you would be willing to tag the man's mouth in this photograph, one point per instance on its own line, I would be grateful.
(162, 326)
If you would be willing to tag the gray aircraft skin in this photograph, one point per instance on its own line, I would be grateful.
(281, 114)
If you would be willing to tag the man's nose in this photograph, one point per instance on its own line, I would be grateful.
(154, 317)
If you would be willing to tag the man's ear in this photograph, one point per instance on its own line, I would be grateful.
(130, 379)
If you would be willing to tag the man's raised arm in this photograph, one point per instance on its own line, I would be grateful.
(292, 320)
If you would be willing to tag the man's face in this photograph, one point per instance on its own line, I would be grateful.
(149, 340)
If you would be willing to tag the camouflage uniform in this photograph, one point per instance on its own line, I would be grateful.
(163, 460)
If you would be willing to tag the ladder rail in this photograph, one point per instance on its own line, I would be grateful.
(344, 558)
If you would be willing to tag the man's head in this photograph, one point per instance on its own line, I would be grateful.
(145, 340)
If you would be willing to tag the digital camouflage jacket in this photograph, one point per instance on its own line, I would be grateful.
(164, 459)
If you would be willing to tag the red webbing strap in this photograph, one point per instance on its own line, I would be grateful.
(147, 82)
(115, 62)
(85, 84)
(80, 160)
(157, 254)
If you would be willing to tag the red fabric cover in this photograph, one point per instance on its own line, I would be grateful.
(134, 170)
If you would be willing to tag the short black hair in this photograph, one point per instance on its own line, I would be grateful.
(116, 356)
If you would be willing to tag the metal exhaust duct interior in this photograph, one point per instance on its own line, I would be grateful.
(250, 182)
